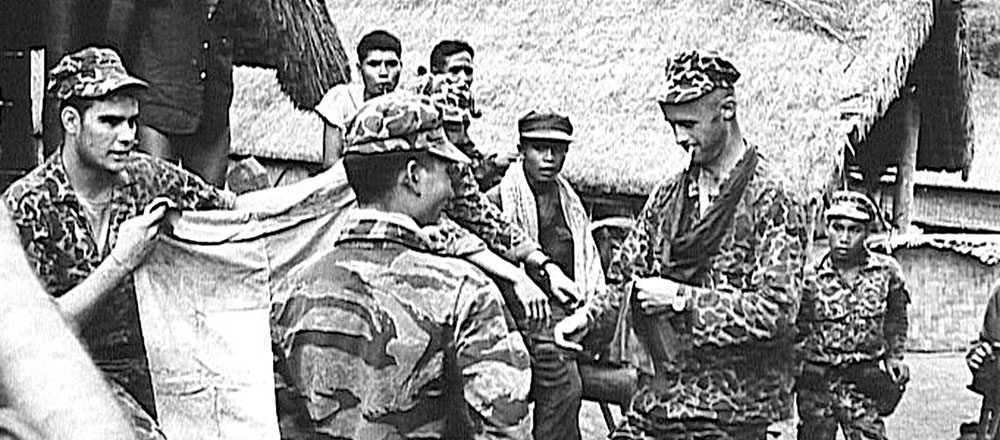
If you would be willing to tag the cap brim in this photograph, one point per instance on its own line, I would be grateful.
(446, 150)
(848, 213)
(548, 135)
(124, 82)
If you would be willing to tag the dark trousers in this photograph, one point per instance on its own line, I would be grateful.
(555, 386)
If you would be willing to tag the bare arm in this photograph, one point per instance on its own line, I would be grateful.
(40, 358)
(333, 144)
(135, 239)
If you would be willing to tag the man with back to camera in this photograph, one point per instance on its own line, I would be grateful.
(379, 63)
(382, 338)
(852, 318)
(87, 217)
(712, 274)
(536, 197)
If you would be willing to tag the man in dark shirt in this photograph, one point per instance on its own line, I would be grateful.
(184, 51)
(536, 198)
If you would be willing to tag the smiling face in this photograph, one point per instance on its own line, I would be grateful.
(380, 72)
(543, 159)
(104, 135)
(700, 127)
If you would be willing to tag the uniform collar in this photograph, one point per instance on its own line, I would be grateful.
(362, 224)
(55, 172)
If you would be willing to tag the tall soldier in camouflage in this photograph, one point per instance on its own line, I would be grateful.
(380, 337)
(853, 317)
(711, 273)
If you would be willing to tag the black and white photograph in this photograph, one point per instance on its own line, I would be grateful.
(500, 219)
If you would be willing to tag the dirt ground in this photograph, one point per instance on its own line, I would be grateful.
(934, 405)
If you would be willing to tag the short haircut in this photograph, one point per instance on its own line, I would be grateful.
(445, 49)
(83, 104)
(373, 176)
(378, 40)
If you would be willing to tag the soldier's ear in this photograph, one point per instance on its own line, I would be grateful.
(728, 107)
(72, 120)
(412, 176)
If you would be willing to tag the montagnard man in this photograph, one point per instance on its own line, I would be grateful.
(852, 329)
(379, 63)
(534, 196)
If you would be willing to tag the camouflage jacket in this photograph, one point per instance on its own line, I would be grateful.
(61, 247)
(844, 321)
(735, 337)
(379, 338)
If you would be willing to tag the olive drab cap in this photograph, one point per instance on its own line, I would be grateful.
(692, 74)
(92, 72)
(400, 121)
(852, 205)
(545, 125)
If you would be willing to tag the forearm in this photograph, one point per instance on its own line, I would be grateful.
(77, 304)
(496, 266)
(333, 144)
(40, 358)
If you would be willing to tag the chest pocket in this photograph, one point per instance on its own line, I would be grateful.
(835, 301)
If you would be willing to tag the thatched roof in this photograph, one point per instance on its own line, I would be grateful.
(814, 71)
(265, 123)
(298, 41)
(984, 173)
(983, 17)
(983, 247)
(296, 37)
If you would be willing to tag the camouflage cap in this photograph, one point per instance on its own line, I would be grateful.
(852, 205)
(90, 73)
(691, 75)
(545, 125)
(400, 121)
(456, 102)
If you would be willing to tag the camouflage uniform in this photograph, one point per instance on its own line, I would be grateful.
(732, 373)
(381, 338)
(60, 244)
(844, 323)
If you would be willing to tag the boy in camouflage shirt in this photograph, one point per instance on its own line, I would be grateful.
(853, 316)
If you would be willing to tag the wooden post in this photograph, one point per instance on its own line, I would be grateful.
(909, 136)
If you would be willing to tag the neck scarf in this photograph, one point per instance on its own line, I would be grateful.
(519, 205)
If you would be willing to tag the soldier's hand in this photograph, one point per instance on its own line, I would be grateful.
(979, 355)
(563, 288)
(137, 235)
(658, 295)
(571, 330)
(533, 300)
(899, 371)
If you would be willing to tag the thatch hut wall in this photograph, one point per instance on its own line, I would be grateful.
(949, 292)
